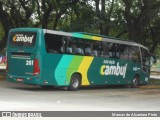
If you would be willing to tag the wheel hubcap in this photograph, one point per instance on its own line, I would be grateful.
(75, 83)
(135, 81)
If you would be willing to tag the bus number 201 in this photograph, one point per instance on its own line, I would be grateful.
(29, 62)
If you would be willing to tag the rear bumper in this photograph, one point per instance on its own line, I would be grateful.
(33, 80)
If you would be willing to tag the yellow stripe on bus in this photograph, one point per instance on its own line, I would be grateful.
(97, 38)
(83, 69)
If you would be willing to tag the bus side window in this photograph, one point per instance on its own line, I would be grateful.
(134, 54)
(69, 50)
(63, 47)
(74, 46)
(145, 60)
(69, 47)
(79, 47)
(114, 50)
(124, 54)
(88, 48)
(104, 49)
(96, 49)
(53, 43)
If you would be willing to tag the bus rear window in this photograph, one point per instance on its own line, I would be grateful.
(23, 39)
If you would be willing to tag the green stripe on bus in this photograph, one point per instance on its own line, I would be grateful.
(87, 36)
(74, 65)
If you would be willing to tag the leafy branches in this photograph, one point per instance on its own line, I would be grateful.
(137, 20)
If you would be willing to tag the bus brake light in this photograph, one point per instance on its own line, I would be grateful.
(36, 67)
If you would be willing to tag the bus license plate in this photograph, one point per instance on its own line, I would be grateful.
(19, 80)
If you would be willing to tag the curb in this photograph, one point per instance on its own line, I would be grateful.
(150, 87)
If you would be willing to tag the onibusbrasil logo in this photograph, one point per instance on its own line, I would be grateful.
(113, 70)
(23, 38)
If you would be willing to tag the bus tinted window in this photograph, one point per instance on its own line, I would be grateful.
(124, 54)
(22, 39)
(114, 50)
(88, 48)
(97, 49)
(76, 46)
(68, 45)
(53, 43)
(145, 60)
(105, 49)
(134, 54)
(73, 46)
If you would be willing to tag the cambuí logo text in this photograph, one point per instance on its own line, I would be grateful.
(23, 38)
(113, 69)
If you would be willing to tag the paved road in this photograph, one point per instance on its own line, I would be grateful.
(27, 97)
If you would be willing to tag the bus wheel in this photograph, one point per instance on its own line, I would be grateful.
(75, 82)
(135, 82)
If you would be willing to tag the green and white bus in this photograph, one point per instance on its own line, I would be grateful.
(54, 58)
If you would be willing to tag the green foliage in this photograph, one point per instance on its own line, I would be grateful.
(137, 20)
(1, 31)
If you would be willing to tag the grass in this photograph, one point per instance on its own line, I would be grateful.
(154, 82)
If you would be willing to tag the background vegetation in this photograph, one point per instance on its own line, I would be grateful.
(136, 20)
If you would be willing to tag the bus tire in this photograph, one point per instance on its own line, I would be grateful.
(75, 82)
(134, 82)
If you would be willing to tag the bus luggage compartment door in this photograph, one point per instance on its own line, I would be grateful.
(21, 64)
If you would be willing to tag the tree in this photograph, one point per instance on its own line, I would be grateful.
(15, 14)
(50, 12)
(137, 14)
(153, 32)
(137, 20)
(104, 14)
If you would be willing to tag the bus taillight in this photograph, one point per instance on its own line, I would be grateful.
(36, 67)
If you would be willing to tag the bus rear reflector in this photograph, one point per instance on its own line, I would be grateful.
(36, 67)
